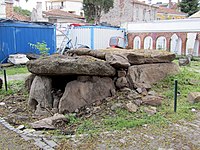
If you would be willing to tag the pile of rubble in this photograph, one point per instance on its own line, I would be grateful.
(80, 78)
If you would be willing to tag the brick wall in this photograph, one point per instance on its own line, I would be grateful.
(9, 10)
(167, 35)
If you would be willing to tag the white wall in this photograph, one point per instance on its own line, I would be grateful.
(2, 9)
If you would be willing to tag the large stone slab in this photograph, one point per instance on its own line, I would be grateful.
(134, 57)
(40, 97)
(150, 73)
(63, 65)
(85, 91)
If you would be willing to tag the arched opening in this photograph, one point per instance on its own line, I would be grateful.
(137, 43)
(175, 44)
(148, 42)
(161, 43)
(196, 48)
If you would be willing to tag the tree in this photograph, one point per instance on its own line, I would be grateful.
(189, 6)
(94, 8)
(21, 11)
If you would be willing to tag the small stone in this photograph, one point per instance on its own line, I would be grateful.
(152, 100)
(152, 93)
(29, 130)
(121, 73)
(122, 141)
(150, 110)
(121, 82)
(139, 90)
(2, 104)
(138, 102)
(21, 127)
(131, 107)
(193, 110)
(194, 97)
(116, 106)
(125, 89)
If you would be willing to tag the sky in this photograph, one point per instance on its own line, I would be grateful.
(32, 3)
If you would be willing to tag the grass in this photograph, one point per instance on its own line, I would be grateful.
(21, 69)
(120, 119)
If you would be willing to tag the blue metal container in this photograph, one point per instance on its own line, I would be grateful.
(16, 36)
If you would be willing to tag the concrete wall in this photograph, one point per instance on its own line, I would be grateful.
(128, 11)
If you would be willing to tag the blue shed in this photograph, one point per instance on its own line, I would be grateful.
(16, 36)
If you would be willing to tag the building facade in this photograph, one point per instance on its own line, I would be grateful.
(72, 6)
(181, 36)
(129, 11)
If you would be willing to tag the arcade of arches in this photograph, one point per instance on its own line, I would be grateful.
(180, 43)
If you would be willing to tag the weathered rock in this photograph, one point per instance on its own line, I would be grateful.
(131, 107)
(121, 73)
(78, 94)
(138, 102)
(150, 56)
(121, 83)
(40, 97)
(150, 110)
(117, 60)
(150, 73)
(194, 97)
(63, 65)
(135, 57)
(116, 106)
(152, 100)
(48, 123)
(87, 52)
(29, 81)
(142, 91)
(1, 83)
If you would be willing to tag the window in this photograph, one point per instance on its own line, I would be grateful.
(148, 42)
(137, 43)
(161, 43)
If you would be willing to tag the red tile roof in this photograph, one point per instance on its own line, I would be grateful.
(19, 17)
(170, 11)
(61, 13)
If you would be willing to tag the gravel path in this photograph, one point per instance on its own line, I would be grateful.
(15, 77)
(9, 140)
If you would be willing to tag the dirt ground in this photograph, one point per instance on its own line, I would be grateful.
(11, 141)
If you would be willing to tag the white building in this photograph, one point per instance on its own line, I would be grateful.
(2, 9)
(72, 6)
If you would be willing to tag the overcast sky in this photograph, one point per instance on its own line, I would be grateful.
(32, 3)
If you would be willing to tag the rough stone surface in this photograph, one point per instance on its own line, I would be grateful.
(117, 60)
(131, 107)
(150, 110)
(78, 93)
(121, 83)
(47, 123)
(194, 97)
(150, 73)
(121, 73)
(29, 81)
(40, 94)
(63, 65)
(152, 100)
(149, 57)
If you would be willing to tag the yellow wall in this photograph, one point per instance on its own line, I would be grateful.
(161, 16)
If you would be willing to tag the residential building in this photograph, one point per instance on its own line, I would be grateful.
(129, 11)
(72, 6)
(7, 11)
(164, 13)
(57, 16)
(169, 11)
(2, 9)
